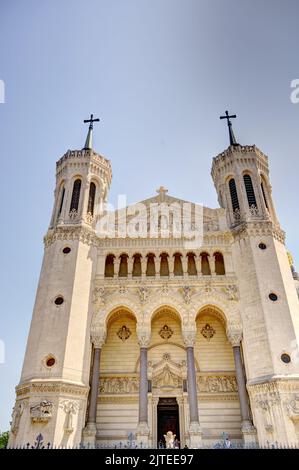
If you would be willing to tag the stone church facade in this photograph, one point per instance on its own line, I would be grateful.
(133, 336)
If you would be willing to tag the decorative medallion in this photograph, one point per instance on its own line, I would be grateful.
(124, 333)
(166, 332)
(208, 331)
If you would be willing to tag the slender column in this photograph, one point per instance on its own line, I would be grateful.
(198, 265)
(157, 265)
(192, 391)
(89, 432)
(241, 385)
(185, 265)
(130, 266)
(171, 265)
(116, 266)
(143, 387)
(143, 429)
(212, 261)
(92, 412)
(248, 430)
(194, 427)
(143, 266)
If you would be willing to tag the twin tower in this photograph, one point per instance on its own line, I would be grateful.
(53, 396)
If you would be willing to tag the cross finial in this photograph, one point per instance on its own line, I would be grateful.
(88, 142)
(232, 139)
(162, 192)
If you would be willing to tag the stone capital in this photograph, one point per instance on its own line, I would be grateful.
(234, 334)
(98, 338)
(189, 337)
(144, 338)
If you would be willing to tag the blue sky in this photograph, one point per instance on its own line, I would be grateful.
(158, 73)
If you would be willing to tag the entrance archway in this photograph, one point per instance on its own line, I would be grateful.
(168, 418)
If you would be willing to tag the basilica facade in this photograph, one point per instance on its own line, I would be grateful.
(137, 331)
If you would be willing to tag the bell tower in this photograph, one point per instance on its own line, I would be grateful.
(52, 393)
(268, 299)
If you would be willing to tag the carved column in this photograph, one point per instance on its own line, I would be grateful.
(143, 266)
(171, 265)
(116, 266)
(212, 261)
(143, 428)
(157, 265)
(130, 266)
(194, 427)
(89, 432)
(198, 265)
(248, 430)
(185, 265)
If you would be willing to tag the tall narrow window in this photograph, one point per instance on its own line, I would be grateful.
(61, 201)
(264, 195)
(91, 198)
(234, 194)
(249, 190)
(76, 195)
(177, 265)
(205, 265)
(219, 263)
(109, 266)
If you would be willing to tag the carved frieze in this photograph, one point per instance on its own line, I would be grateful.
(120, 385)
(41, 412)
(216, 383)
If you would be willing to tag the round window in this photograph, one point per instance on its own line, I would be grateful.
(66, 250)
(273, 297)
(59, 300)
(286, 358)
(262, 246)
(50, 362)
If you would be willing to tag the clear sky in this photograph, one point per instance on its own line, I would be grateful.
(158, 73)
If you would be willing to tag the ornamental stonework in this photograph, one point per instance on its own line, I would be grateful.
(114, 385)
(216, 383)
(166, 332)
(207, 331)
(124, 333)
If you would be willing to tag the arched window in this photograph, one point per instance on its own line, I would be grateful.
(123, 266)
(150, 269)
(76, 195)
(234, 194)
(164, 268)
(177, 265)
(249, 190)
(61, 201)
(109, 266)
(205, 265)
(191, 264)
(91, 198)
(136, 265)
(264, 194)
(219, 263)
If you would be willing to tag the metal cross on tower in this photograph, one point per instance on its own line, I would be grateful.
(88, 142)
(232, 139)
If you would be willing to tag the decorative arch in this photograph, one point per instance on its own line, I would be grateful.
(165, 302)
(212, 310)
(117, 312)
